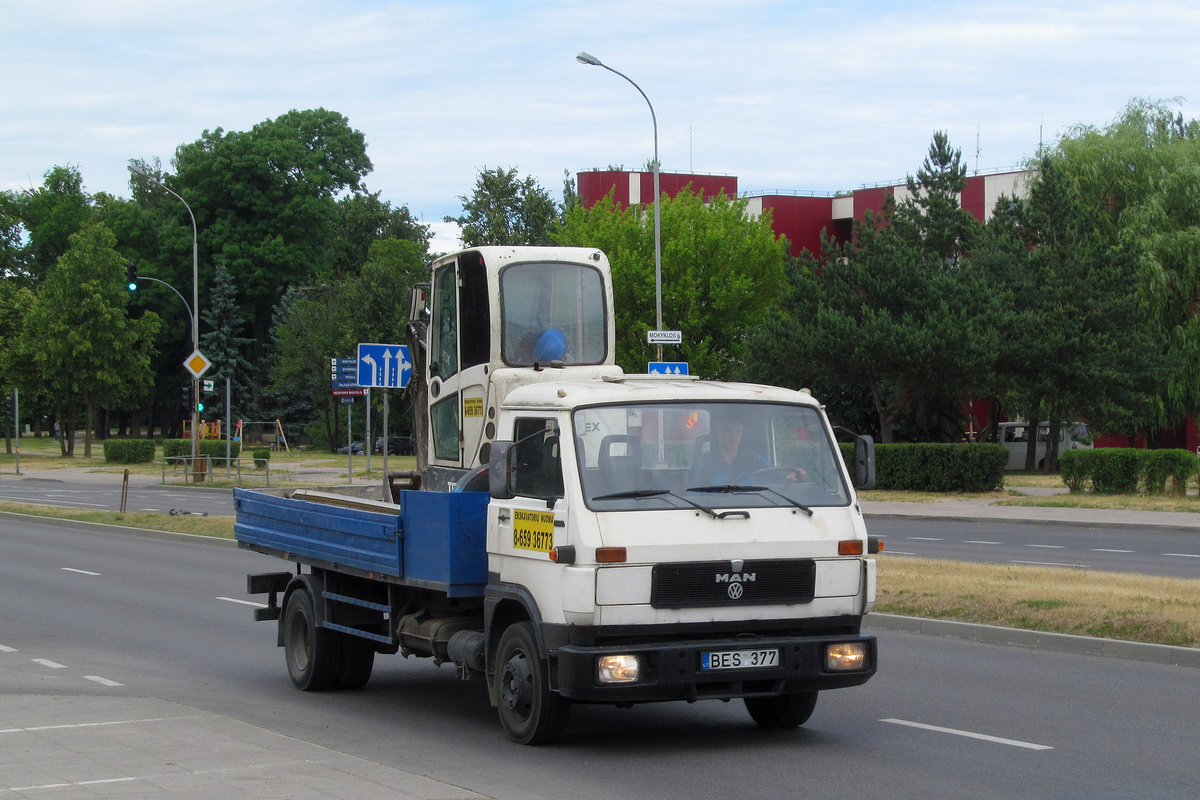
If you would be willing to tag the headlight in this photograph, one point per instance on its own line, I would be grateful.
(845, 657)
(617, 669)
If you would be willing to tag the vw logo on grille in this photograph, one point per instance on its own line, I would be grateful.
(735, 591)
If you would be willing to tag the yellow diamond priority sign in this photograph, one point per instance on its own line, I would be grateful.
(197, 364)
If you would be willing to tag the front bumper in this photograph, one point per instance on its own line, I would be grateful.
(672, 670)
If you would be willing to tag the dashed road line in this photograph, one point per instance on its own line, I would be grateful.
(1182, 555)
(96, 724)
(1049, 546)
(971, 541)
(969, 734)
(242, 602)
(45, 662)
(80, 571)
(6, 649)
(1109, 550)
(923, 539)
(102, 681)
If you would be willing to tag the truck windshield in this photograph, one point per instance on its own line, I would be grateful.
(553, 312)
(715, 455)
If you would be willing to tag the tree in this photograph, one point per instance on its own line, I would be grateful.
(1137, 181)
(85, 346)
(932, 215)
(50, 214)
(363, 219)
(506, 210)
(722, 271)
(265, 200)
(225, 347)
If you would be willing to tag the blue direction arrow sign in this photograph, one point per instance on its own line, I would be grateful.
(384, 365)
(667, 368)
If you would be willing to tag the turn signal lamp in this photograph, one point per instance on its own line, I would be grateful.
(853, 547)
(610, 555)
(845, 657)
(617, 669)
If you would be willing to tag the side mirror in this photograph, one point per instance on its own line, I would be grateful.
(500, 470)
(864, 459)
(864, 462)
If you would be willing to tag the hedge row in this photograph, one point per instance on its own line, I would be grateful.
(129, 451)
(215, 448)
(1119, 470)
(937, 467)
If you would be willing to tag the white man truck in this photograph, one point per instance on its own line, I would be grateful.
(560, 537)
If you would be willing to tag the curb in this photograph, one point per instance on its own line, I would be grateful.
(1162, 526)
(1038, 640)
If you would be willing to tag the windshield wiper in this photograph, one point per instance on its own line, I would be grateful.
(638, 494)
(737, 488)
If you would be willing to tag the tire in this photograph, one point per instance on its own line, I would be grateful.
(313, 654)
(529, 711)
(358, 657)
(783, 710)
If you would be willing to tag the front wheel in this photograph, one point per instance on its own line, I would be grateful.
(783, 710)
(312, 652)
(529, 711)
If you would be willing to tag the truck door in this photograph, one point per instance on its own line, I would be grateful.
(535, 520)
(459, 349)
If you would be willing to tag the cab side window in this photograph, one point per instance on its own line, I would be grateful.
(539, 464)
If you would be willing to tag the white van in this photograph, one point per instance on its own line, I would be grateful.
(1015, 437)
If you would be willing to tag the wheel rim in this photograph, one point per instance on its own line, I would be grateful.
(301, 647)
(516, 685)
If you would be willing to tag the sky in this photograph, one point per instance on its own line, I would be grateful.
(787, 96)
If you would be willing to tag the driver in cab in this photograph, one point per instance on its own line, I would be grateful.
(729, 463)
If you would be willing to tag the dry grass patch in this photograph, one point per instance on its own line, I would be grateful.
(1139, 608)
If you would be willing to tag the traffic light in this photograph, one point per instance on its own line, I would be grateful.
(200, 399)
(131, 277)
(11, 404)
(187, 398)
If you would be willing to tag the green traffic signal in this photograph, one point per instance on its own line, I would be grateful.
(131, 277)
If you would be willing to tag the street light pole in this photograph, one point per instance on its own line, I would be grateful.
(592, 61)
(194, 312)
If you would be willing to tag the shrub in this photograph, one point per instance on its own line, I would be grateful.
(176, 448)
(129, 451)
(261, 456)
(937, 467)
(1074, 466)
(1158, 465)
(1115, 470)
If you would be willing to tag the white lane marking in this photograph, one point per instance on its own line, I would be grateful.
(242, 602)
(1052, 564)
(970, 541)
(923, 539)
(1108, 550)
(66, 785)
(968, 734)
(892, 552)
(80, 571)
(102, 681)
(6, 649)
(1049, 546)
(97, 724)
(1183, 555)
(45, 662)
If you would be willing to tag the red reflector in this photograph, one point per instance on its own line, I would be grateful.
(610, 555)
(850, 548)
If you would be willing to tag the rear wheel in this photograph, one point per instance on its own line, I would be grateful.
(782, 711)
(529, 711)
(312, 653)
(358, 658)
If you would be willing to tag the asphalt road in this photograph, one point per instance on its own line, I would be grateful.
(107, 495)
(1146, 551)
(130, 622)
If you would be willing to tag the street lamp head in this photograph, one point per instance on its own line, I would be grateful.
(589, 59)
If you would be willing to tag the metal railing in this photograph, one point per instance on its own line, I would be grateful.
(201, 471)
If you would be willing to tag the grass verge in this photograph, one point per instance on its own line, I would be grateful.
(1136, 608)
(220, 527)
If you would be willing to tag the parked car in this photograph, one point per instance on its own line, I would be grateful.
(397, 445)
(354, 448)
(1015, 438)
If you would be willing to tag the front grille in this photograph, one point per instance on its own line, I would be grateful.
(715, 583)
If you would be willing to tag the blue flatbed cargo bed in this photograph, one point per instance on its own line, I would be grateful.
(433, 540)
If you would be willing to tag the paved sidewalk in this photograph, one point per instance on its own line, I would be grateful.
(989, 510)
